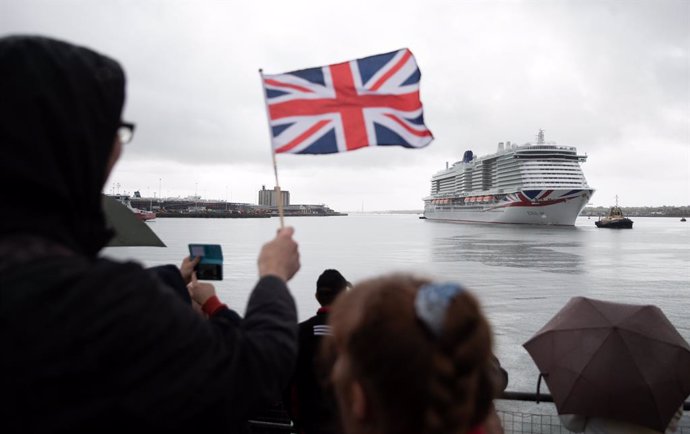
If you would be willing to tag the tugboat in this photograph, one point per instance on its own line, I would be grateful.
(615, 219)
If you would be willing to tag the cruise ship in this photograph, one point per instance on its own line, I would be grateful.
(536, 183)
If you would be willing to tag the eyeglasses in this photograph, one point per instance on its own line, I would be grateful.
(125, 132)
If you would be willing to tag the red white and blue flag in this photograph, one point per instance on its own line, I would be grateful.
(373, 101)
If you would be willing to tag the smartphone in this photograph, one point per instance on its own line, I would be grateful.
(210, 267)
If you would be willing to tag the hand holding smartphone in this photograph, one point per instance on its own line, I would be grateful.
(210, 267)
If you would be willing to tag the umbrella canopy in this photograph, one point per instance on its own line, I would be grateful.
(613, 360)
(129, 230)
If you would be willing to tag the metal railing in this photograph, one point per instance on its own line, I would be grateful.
(537, 417)
(523, 423)
(533, 413)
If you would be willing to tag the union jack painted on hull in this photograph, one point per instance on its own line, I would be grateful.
(536, 198)
(373, 101)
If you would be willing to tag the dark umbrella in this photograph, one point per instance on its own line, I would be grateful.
(129, 230)
(619, 361)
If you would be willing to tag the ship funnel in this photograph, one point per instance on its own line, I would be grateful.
(467, 157)
(446, 165)
(500, 146)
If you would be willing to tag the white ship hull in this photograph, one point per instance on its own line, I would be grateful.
(547, 207)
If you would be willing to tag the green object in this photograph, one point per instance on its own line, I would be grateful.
(210, 267)
(129, 230)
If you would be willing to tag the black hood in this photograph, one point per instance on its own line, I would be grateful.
(60, 107)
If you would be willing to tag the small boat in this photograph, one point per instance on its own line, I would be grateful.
(615, 219)
(682, 219)
(141, 214)
(144, 215)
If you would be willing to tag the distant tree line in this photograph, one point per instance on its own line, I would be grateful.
(641, 211)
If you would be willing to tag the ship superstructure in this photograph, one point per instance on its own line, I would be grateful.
(534, 183)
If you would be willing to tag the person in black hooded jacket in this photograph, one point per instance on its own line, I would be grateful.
(90, 344)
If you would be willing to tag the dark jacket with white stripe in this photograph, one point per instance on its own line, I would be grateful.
(312, 403)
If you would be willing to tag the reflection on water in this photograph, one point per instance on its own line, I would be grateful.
(649, 264)
(531, 254)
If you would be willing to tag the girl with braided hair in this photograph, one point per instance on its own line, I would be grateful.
(411, 356)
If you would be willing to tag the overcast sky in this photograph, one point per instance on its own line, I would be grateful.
(609, 77)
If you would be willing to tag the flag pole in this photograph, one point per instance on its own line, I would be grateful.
(279, 195)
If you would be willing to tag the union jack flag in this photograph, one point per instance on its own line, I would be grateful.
(373, 101)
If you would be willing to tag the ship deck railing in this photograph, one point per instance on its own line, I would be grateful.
(519, 412)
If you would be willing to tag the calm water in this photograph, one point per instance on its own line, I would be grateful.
(522, 274)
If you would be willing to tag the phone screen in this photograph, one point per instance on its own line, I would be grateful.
(196, 251)
(209, 272)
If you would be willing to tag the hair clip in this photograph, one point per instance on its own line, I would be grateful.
(432, 302)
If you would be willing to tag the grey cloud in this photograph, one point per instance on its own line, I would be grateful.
(606, 76)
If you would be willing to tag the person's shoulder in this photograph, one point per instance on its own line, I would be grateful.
(113, 278)
(79, 284)
(117, 290)
(318, 319)
(84, 265)
(75, 269)
(306, 328)
(308, 323)
(314, 328)
(121, 271)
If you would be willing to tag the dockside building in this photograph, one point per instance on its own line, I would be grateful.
(270, 198)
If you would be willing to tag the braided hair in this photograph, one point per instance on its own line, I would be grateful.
(415, 380)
